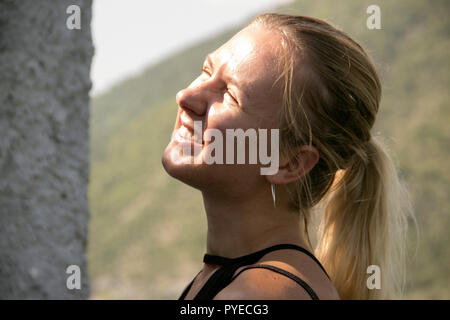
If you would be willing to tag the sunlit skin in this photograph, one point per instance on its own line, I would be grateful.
(237, 88)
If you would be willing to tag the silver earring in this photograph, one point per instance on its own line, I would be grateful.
(273, 195)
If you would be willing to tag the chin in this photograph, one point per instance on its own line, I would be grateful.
(193, 175)
(209, 177)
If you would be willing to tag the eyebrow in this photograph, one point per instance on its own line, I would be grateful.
(209, 61)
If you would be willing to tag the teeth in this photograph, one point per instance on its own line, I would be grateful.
(185, 133)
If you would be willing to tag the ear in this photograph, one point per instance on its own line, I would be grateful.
(295, 167)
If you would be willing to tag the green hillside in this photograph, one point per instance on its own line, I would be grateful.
(147, 231)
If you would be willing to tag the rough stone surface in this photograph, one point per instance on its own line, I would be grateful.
(44, 144)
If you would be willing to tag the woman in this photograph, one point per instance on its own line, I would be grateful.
(318, 87)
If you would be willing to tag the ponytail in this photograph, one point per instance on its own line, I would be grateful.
(363, 225)
(330, 101)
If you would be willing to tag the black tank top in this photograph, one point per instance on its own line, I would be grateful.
(223, 276)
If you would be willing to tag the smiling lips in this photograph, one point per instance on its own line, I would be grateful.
(186, 135)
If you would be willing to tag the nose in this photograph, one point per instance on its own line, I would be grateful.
(193, 99)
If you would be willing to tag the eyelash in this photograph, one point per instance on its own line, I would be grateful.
(227, 91)
(206, 71)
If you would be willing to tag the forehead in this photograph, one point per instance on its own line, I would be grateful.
(250, 57)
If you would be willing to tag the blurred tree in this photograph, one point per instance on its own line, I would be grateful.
(44, 169)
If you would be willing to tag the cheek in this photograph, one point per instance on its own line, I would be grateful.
(221, 116)
(219, 110)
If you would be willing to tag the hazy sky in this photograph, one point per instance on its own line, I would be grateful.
(131, 34)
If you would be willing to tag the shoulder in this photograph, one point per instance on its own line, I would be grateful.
(265, 284)
(262, 284)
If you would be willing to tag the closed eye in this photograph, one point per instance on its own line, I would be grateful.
(205, 70)
(231, 96)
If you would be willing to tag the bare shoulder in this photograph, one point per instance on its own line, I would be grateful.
(265, 284)
(262, 284)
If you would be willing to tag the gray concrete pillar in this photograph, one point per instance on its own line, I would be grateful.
(44, 144)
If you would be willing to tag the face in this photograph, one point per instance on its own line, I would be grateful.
(236, 89)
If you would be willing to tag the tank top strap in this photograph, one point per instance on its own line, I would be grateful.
(222, 276)
(186, 290)
(244, 260)
(283, 272)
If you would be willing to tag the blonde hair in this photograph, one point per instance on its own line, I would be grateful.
(330, 100)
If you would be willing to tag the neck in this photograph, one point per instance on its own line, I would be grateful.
(237, 227)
